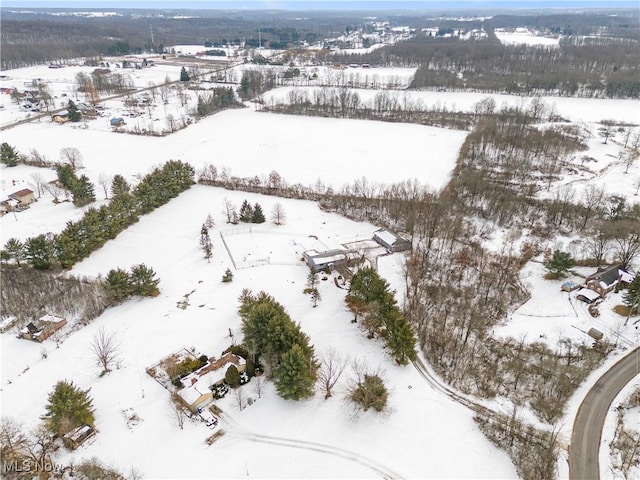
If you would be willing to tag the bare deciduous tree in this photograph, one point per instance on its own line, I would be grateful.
(229, 209)
(332, 365)
(278, 215)
(239, 397)
(105, 349)
(177, 408)
(258, 385)
(38, 183)
(55, 190)
(72, 156)
(104, 180)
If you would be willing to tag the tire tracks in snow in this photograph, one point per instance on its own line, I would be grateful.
(382, 470)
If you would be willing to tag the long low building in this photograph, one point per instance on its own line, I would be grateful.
(330, 259)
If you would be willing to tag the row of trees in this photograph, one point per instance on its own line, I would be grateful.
(278, 343)
(369, 296)
(79, 239)
(141, 280)
(215, 100)
(398, 107)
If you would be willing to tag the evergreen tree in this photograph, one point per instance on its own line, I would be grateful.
(371, 393)
(228, 276)
(246, 212)
(250, 368)
(74, 113)
(68, 407)
(118, 284)
(559, 264)
(15, 249)
(83, 192)
(184, 76)
(632, 295)
(399, 337)
(296, 374)
(143, 281)
(66, 175)
(209, 223)
(258, 214)
(8, 155)
(119, 185)
(39, 252)
(205, 243)
(232, 376)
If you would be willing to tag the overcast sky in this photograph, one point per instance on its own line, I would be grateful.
(295, 4)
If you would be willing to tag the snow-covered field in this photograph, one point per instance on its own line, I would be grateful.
(573, 109)
(249, 143)
(523, 36)
(424, 435)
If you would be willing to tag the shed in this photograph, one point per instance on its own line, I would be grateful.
(78, 436)
(569, 286)
(391, 240)
(116, 121)
(595, 333)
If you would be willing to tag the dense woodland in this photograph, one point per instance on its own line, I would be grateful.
(588, 62)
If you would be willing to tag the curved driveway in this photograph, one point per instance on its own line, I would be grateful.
(587, 428)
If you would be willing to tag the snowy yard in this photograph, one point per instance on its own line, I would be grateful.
(551, 314)
(313, 438)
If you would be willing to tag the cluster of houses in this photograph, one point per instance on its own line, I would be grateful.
(600, 283)
(17, 201)
(330, 260)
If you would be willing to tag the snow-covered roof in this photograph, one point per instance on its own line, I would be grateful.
(588, 294)
(386, 236)
(51, 318)
(191, 394)
(626, 276)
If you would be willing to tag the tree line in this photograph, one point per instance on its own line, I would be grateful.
(81, 238)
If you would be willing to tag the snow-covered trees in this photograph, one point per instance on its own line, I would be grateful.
(279, 343)
(83, 192)
(278, 215)
(205, 243)
(68, 407)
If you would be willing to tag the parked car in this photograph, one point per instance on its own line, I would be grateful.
(207, 417)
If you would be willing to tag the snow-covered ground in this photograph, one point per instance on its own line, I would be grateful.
(573, 109)
(631, 423)
(248, 143)
(524, 36)
(550, 314)
(424, 435)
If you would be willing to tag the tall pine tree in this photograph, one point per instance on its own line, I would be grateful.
(258, 214)
(68, 407)
(296, 374)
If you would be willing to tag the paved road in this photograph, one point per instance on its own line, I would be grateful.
(587, 428)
